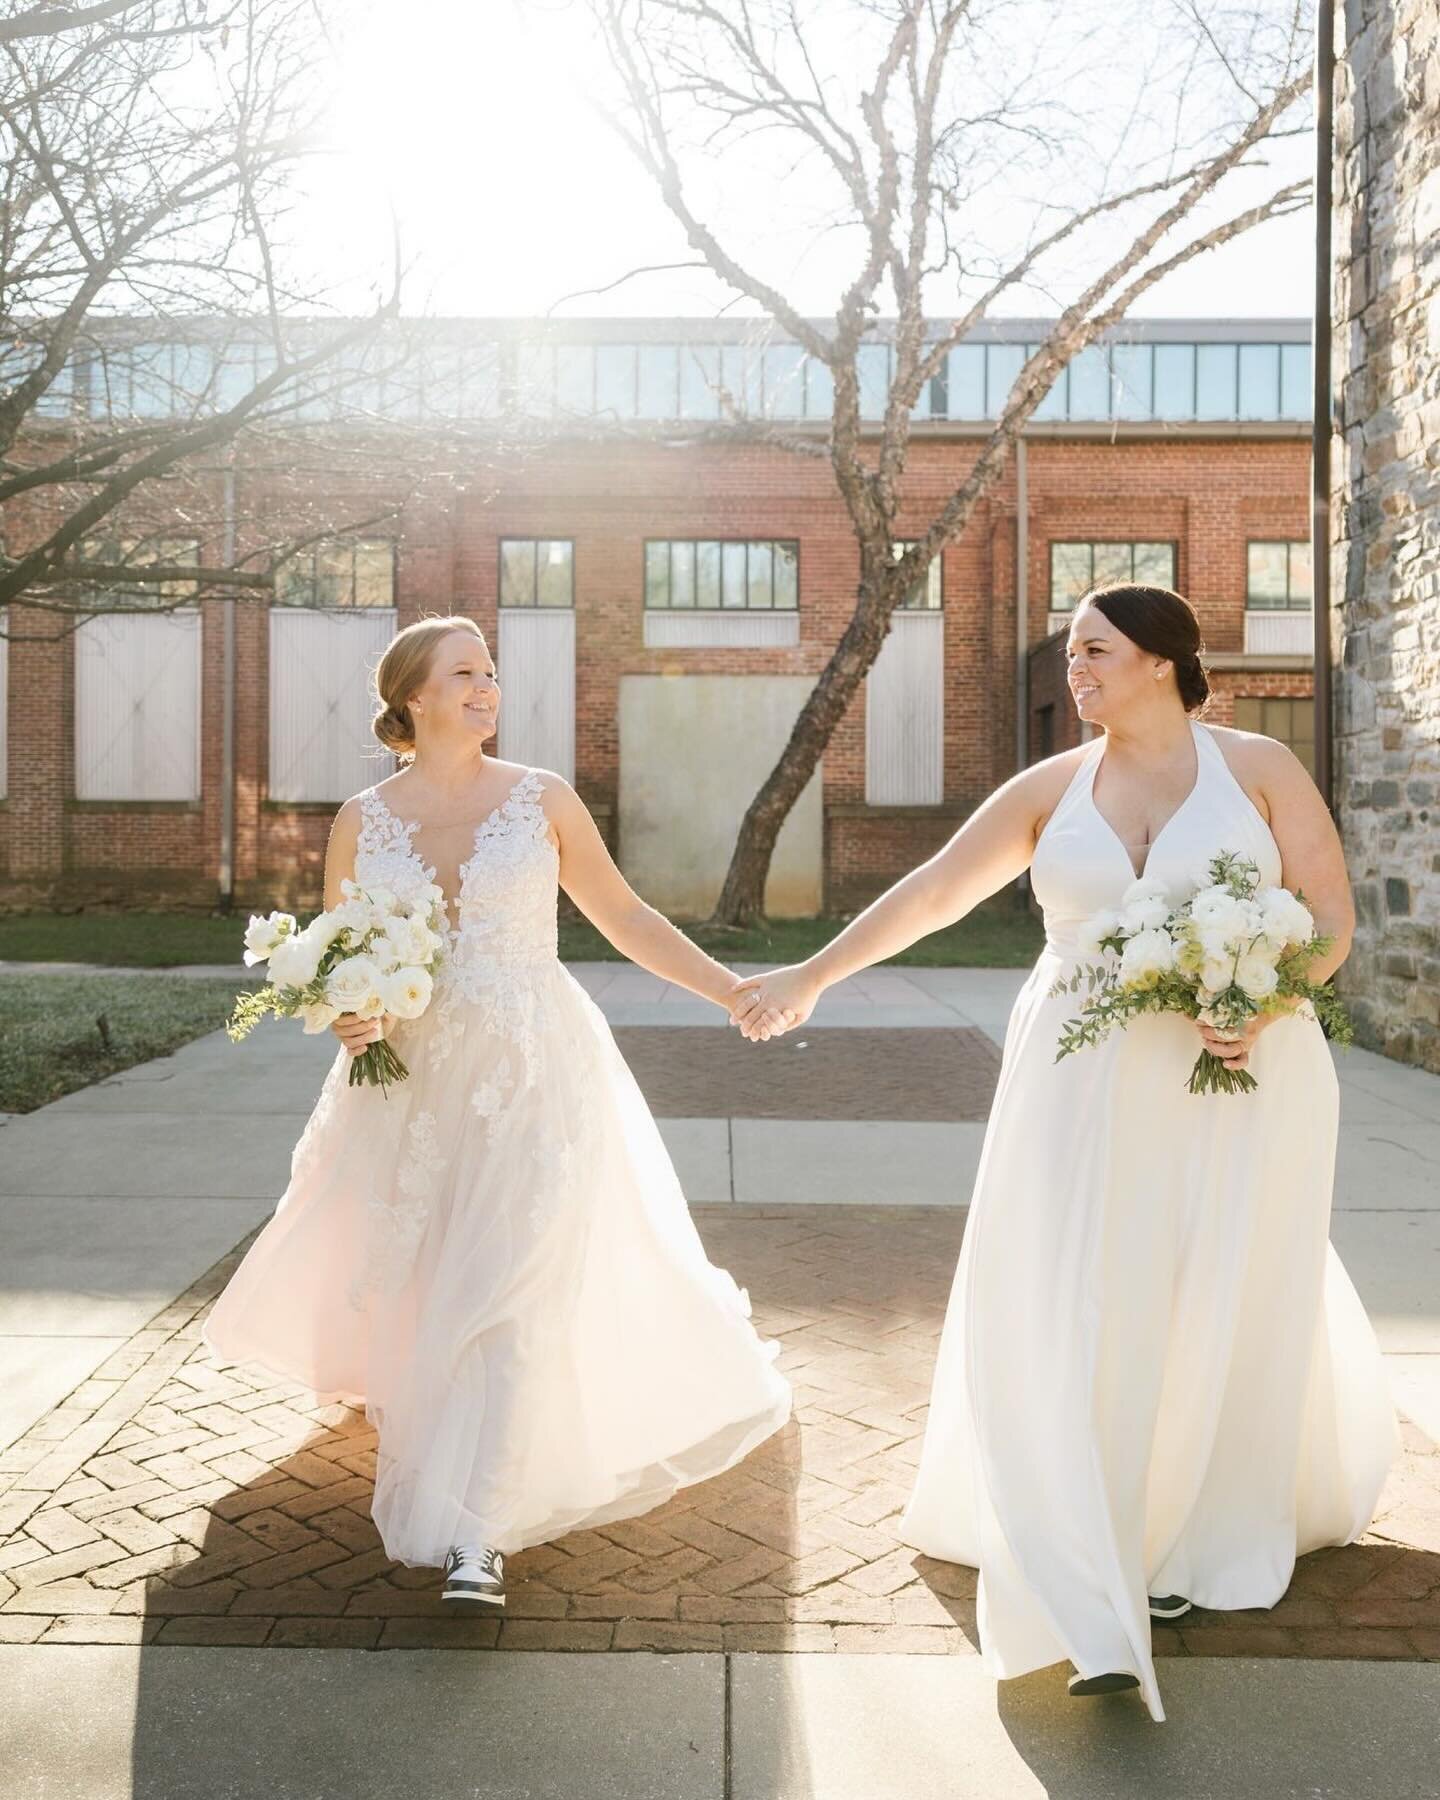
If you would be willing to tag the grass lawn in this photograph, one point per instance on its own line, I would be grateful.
(995, 936)
(51, 1042)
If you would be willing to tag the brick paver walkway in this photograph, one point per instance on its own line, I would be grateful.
(174, 1500)
(844, 1072)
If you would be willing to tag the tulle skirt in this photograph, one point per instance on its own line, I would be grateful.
(496, 1260)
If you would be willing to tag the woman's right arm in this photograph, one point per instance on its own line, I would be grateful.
(994, 846)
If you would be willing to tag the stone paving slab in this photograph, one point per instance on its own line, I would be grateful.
(816, 1075)
(172, 1499)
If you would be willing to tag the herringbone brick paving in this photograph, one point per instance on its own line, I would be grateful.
(175, 1500)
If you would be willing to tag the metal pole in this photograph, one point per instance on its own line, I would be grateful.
(1022, 606)
(1321, 434)
(227, 729)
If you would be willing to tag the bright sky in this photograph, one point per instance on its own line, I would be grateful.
(470, 119)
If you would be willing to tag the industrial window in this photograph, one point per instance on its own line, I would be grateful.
(926, 594)
(1278, 577)
(716, 574)
(1075, 568)
(340, 572)
(537, 572)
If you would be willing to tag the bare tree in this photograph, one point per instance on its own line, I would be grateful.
(967, 99)
(148, 332)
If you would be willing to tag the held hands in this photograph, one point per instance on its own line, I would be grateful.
(765, 1006)
(356, 1033)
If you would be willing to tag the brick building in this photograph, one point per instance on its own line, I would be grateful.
(660, 590)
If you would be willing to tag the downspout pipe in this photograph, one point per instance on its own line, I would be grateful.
(227, 687)
(1321, 424)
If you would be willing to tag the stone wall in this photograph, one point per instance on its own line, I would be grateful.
(1386, 532)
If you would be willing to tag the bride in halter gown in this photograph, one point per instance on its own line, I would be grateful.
(1155, 1377)
(495, 1258)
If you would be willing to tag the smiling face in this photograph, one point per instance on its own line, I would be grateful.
(460, 695)
(1108, 673)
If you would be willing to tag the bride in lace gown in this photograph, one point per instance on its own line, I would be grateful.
(495, 1257)
(1156, 1384)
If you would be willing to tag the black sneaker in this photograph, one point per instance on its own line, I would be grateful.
(474, 1573)
(1169, 1606)
(1082, 1686)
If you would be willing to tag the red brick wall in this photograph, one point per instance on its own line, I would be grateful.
(1207, 494)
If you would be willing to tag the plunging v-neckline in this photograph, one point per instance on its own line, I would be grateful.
(409, 826)
(1150, 850)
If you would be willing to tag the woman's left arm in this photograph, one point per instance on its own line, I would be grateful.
(589, 876)
(1312, 858)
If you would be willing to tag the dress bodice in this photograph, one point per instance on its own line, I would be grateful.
(508, 884)
(1080, 865)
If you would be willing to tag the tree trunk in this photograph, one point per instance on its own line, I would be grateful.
(742, 898)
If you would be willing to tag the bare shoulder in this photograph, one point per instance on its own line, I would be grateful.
(1270, 772)
(348, 818)
(1040, 788)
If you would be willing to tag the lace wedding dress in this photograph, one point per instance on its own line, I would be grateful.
(1155, 1374)
(496, 1259)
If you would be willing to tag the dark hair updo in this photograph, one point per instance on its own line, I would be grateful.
(1163, 624)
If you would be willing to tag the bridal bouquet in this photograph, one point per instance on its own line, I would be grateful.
(1231, 951)
(370, 955)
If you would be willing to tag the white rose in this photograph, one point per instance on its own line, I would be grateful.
(1217, 943)
(1147, 956)
(263, 934)
(413, 940)
(1256, 976)
(351, 915)
(317, 1016)
(1216, 973)
(407, 993)
(353, 985)
(1217, 910)
(295, 962)
(323, 929)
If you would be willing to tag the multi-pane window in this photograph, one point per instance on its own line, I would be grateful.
(1076, 568)
(716, 574)
(340, 572)
(121, 551)
(537, 572)
(1279, 576)
(1290, 720)
(926, 594)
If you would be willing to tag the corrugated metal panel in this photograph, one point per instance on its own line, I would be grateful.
(537, 687)
(4, 705)
(322, 698)
(905, 714)
(1279, 633)
(137, 707)
(712, 630)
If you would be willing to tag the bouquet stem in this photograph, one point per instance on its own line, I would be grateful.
(1211, 1076)
(378, 1065)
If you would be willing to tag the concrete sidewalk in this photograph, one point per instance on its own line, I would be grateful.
(102, 1723)
(115, 1199)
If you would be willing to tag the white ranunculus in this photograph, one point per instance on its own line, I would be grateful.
(351, 985)
(263, 934)
(1218, 943)
(1283, 918)
(1147, 956)
(351, 915)
(1256, 976)
(1104, 924)
(318, 1016)
(295, 962)
(1216, 909)
(407, 992)
(384, 952)
(1144, 905)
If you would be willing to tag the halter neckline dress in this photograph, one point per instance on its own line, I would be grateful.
(1155, 1375)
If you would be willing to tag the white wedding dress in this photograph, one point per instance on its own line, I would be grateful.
(495, 1257)
(1155, 1374)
